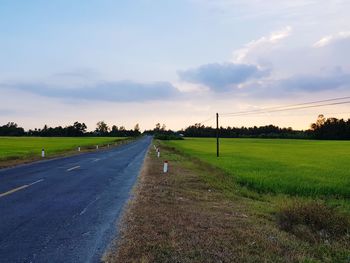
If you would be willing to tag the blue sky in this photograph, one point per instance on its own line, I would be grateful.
(175, 62)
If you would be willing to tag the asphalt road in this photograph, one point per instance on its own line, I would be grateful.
(65, 210)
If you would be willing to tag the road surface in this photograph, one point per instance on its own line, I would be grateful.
(65, 210)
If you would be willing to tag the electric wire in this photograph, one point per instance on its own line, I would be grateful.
(206, 120)
(284, 107)
(290, 107)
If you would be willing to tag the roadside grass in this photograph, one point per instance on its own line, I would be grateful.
(293, 167)
(198, 213)
(15, 150)
(313, 221)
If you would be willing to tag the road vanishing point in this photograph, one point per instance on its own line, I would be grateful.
(66, 210)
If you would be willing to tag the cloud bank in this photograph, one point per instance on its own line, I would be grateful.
(327, 40)
(296, 85)
(309, 83)
(265, 67)
(118, 91)
(222, 77)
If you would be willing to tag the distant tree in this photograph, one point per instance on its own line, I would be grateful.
(102, 128)
(114, 131)
(114, 128)
(157, 127)
(319, 122)
(80, 128)
(137, 128)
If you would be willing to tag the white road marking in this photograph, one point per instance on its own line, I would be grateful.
(96, 160)
(73, 168)
(85, 209)
(36, 182)
(20, 188)
(13, 190)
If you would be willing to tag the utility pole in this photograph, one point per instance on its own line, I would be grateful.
(217, 134)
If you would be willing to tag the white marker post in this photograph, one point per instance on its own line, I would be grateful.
(158, 152)
(96, 147)
(165, 167)
(78, 149)
(43, 153)
(108, 146)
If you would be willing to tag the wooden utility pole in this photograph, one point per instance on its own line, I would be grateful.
(217, 134)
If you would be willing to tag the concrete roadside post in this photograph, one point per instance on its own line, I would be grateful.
(165, 167)
(79, 149)
(158, 152)
(96, 147)
(43, 153)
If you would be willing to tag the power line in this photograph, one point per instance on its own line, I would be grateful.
(283, 107)
(300, 114)
(202, 122)
(287, 109)
(298, 106)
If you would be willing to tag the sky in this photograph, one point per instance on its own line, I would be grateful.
(173, 62)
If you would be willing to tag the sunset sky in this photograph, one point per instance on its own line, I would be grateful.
(175, 62)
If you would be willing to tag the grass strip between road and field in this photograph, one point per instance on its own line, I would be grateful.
(197, 213)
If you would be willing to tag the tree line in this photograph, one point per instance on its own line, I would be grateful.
(331, 128)
(76, 130)
(323, 128)
(268, 131)
(326, 129)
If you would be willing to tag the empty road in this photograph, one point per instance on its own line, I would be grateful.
(65, 210)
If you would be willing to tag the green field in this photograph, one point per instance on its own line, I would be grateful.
(12, 148)
(295, 167)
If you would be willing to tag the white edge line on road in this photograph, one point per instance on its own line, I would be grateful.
(20, 188)
(73, 168)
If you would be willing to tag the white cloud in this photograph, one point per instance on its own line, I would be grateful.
(264, 42)
(327, 40)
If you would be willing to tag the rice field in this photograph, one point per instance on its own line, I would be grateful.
(295, 167)
(12, 148)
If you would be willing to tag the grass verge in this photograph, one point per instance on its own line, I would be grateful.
(196, 214)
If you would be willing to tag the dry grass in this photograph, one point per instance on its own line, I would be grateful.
(182, 217)
(314, 221)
